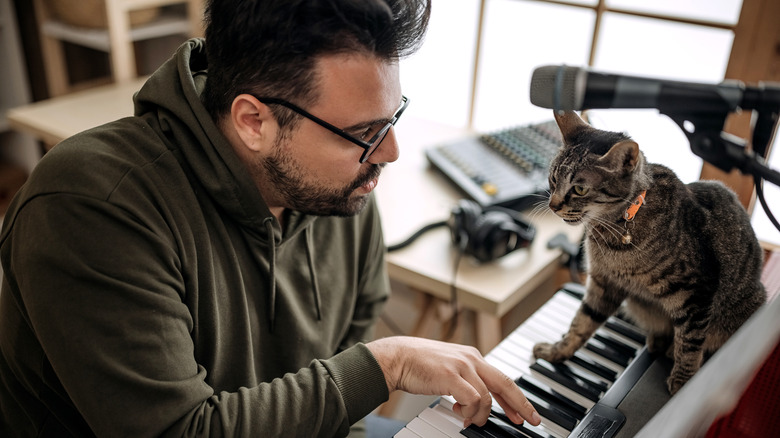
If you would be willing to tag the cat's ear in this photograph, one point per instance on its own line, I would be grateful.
(622, 156)
(569, 122)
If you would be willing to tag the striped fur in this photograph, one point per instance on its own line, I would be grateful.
(691, 272)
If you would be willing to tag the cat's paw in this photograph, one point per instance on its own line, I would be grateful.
(674, 383)
(548, 352)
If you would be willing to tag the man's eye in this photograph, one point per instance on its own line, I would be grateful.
(362, 134)
(580, 190)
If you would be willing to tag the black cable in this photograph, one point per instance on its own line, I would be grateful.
(760, 193)
(417, 234)
(454, 289)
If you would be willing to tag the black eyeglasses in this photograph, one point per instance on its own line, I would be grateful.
(368, 146)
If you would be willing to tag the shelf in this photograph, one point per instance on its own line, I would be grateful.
(98, 39)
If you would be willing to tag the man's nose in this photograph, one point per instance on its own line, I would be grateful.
(387, 151)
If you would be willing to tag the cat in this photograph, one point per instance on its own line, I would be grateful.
(682, 257)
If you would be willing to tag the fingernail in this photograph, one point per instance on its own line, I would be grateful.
(535, 417)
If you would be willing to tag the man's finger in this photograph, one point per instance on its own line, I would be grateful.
(509, 396)
(473, 397)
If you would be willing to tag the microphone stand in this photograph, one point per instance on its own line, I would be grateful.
(727, 151)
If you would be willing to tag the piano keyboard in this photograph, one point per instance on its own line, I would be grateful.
(574, 398)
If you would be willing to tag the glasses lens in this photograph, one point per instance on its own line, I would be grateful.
(375, 144)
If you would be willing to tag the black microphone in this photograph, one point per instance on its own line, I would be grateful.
(560, 87)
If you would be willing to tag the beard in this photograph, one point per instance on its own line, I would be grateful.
(309, 197)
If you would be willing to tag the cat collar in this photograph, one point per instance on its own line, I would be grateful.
(629, 216)
(631, 210)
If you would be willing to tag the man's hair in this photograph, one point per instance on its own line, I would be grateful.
(269, 47)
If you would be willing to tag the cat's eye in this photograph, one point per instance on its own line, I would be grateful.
(580, 190)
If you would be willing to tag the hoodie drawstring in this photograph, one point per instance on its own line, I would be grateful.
(269, 227)
(312, 272)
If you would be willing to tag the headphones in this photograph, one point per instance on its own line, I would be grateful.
(489, 233)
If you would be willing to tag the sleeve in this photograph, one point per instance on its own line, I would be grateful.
(103, 293)
(373, 282)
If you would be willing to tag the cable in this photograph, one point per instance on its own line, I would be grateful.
(760, 193)
(417, 234)
(458, 256)
(454, 290)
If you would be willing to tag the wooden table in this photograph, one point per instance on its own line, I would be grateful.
(410, 194)
(53, 120)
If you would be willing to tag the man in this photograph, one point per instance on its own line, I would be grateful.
(214, 265)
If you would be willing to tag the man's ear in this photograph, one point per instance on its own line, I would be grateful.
(253, 122)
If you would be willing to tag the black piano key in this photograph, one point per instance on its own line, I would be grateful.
(530, 384)
(575, 290)
(524, 429)
(616, 344)
(607, 352)
(621, 315)
(619, 326)
(478, 432)
(566, 379)
(494, 428)
(551, 412)
(534, 431)
(586, 377)
(594, 367)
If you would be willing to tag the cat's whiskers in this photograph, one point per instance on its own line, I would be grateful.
(540, 206)
(616, 232)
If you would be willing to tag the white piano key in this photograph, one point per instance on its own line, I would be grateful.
(568, 300)
(554, 429)
(449, 415)
(406, 433)
(602, 360)
(447, 425)
(446, 401)
(624, 339)
(513, 356)
(425, 429)
(509, 369)
(511, 359)
(535, 333)
(566, 392)
(524, 331)
(546, 425)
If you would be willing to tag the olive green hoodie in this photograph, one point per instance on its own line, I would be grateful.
(148, 290)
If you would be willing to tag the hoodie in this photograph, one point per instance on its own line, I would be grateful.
(149, 291)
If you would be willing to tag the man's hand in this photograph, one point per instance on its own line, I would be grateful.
(424, 366)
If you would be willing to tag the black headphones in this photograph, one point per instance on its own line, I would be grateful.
(489, 233)
(486, 234)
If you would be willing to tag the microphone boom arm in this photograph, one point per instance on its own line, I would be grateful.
(727, 151)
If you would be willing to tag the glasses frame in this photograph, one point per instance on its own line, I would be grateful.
(368, 146)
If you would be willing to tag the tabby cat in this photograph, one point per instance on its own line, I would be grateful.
(682, 257)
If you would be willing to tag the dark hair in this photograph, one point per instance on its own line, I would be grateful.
(269, 47)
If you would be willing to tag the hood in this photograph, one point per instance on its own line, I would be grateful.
(170, 101)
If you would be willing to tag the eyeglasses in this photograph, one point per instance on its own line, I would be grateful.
(368, 146)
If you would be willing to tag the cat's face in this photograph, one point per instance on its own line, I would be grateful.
(591, 177)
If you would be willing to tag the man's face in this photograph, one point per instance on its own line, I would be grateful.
(315, 171)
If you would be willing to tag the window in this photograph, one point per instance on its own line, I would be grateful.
(482, 54)
(475, 68)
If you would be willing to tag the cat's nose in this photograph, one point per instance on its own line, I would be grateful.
(556, 203)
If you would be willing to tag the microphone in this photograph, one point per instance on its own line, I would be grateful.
(571, 88)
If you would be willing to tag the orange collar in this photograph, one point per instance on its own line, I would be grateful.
(631, 210)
